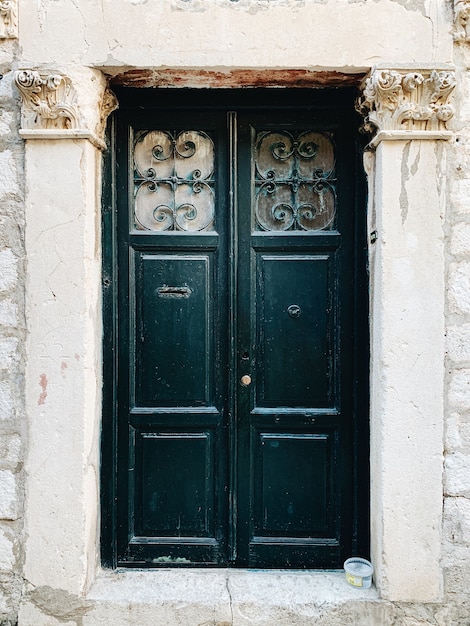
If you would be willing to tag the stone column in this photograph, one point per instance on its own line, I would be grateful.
(62, 120)
(409, 108)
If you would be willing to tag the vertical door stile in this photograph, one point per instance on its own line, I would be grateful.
(232, 316)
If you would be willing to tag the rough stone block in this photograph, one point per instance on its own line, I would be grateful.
(457, 436)
(459, 287)
(6, 401)
(8, 269)
(8, 180)
(8, 353)
(3, 604)
(8, 313)
(458, 342)
(452, 433)
(6, 121)
(10, 450)
(457, 520)
(7, 558)
(460, 239)
(8, 495)
(457, 474)
(460, 191)
(459, 390)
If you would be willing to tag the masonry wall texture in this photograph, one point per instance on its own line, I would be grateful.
(12, 339)
(82, 34)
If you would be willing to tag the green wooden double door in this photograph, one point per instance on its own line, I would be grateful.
(235, 254)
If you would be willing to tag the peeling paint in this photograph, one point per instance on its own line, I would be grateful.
(236, 78)
(405, 175)
(57, 603)
(415, 164)
(412, 5)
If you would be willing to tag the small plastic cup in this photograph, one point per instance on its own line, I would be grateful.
(358, 572)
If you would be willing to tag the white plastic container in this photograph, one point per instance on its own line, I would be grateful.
(359, 572)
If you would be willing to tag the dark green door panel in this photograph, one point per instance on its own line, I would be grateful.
(174, 326)
(235, 415)
(170, 489)
(296, 330)
(293, 490)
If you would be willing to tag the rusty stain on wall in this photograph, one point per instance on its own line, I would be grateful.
(235, 78)
(43, 383)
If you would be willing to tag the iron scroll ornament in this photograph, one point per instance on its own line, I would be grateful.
(173, 181)
(294, 181)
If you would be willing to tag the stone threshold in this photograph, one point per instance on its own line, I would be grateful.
(223, 597)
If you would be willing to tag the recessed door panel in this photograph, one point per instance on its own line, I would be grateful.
(294, 485)
(173, 326)
(175, 484)
(295, 316)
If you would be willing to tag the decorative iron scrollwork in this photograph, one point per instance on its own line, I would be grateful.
(294, 180)
(174, 184)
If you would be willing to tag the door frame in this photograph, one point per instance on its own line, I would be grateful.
(342, 100)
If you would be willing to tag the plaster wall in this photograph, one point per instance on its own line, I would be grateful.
(420, 280)
(226, 34)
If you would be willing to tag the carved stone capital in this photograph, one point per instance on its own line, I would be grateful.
(49, 101)
(54, 109)
(461, 20)
(8, 19)
(399, 100)
(109, 103)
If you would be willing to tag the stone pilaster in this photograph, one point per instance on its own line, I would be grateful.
(409, 109)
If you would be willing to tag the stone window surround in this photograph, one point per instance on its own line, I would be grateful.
(63, 128)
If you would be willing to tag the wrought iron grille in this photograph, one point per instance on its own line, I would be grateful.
(174, 181)
(294, 181)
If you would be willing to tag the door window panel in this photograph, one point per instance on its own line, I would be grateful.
(173, 180)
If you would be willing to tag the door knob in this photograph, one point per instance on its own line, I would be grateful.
(245, 380)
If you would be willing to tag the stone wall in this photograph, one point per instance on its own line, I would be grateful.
(456, 536)
(12, 340)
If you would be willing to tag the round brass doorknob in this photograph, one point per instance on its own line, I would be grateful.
(245, 380)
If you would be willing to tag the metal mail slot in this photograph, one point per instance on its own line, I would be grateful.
(174, 292)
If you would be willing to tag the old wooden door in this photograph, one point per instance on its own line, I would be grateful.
(235, 275)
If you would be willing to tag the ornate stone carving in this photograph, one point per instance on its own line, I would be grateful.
(461, 17)
(49, 101)
(109, 103)
(8, 19)
(396, 100)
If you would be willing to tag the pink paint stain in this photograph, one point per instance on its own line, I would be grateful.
(63, 367)
(43, 383)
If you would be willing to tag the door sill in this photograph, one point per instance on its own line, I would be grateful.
(177, 597)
